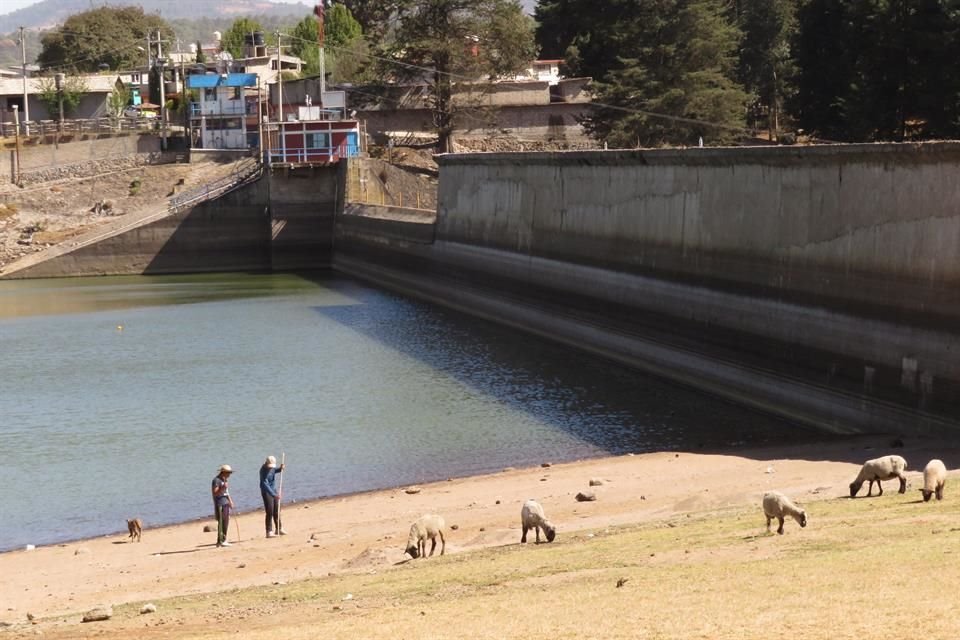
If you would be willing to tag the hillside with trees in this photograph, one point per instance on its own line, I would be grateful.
(48, 13)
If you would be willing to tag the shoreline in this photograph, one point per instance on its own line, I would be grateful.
(828, 439)
(366, 532)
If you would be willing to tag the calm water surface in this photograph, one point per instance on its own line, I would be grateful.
(122, 396)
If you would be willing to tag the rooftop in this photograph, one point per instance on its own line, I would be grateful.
(211, 80)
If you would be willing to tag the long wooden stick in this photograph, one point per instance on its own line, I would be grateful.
(283, 459)
(236, 519)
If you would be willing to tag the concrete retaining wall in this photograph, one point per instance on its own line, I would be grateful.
(281, 222)
(814, 282)
(228, 234)
(37, 157)
(557, 122)
(302, 206)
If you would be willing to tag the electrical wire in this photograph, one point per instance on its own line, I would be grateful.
(514, 87)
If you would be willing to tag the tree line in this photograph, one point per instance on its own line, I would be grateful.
(672, 71)
(664, 71)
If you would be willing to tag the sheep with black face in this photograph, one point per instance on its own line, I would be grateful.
(427, 527)
(776, 505)
(934, 477)
(531, 517)
(885, 468)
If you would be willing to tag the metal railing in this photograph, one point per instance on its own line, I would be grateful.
(198, 109)
(364, 186)
(79, 126)
(244, 172)
(333, 154)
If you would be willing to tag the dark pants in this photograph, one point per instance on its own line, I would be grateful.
(223, 522)
(271, 511)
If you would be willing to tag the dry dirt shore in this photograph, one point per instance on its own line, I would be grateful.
(365, 534)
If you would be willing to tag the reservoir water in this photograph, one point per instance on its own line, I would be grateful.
(121, 397)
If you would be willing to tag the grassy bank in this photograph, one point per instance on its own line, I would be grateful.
(879, 567)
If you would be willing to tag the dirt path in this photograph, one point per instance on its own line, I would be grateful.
(366, 532)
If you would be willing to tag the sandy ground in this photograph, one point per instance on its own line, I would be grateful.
(365, 532)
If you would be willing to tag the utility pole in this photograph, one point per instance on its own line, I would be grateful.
(283, 137)
(26, 98)
(163, 106)
(16, 132)
(260, 144)
(60, 80)
(279, 78)
(320, 11)
(185, 98)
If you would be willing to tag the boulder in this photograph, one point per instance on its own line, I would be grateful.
(98, 615)
(586, 496)
(148, 608)
(596, 482)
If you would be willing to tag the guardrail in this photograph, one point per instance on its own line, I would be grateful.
(329, 155)
(244, 172)
(78, 126)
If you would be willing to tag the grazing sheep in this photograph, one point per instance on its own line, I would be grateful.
(885, 468)
(776, 505)
(934, 477)
(429, 526)
(531, 517)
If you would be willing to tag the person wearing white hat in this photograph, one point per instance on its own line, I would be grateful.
(222, 503)
(270, 495)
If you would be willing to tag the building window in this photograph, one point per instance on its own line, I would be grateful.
(224, 124)
(209, 94)
(237, 93)
(318, 140)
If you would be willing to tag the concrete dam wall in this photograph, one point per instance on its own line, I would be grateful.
(281, 222)
(815, 282)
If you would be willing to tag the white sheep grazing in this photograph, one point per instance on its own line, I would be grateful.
(885, 468)
(531, 517)
(427, 527)
(934, 477)
(776, 505)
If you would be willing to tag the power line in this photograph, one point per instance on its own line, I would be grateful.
(512, 87)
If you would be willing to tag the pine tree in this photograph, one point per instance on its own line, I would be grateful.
(766, 67)
(457, 45)
(878, 69)
(674, 79)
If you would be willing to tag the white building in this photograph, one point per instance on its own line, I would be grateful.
(224, 114)
(542, 70)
